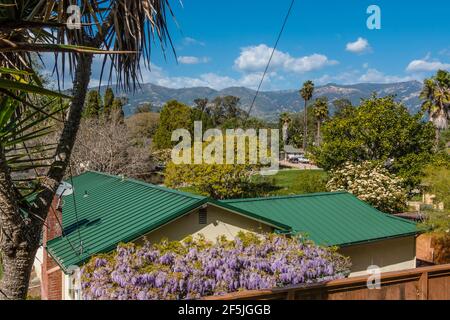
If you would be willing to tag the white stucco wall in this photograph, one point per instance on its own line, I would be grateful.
(219, 222)
(390, 255)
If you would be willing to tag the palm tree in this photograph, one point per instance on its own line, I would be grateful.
(27, 29)
(306, 93)
(285, 120)
(436, 93)
(320, 113)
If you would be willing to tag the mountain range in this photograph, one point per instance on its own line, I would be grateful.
(270, 104)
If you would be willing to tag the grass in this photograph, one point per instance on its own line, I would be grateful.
(285, 182)
(291, 182)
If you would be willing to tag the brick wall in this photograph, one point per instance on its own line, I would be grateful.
(51, 286)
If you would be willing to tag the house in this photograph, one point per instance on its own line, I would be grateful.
(290, 152)
(107, 210)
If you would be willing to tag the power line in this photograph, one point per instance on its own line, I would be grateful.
(270, 59)
(75, 206)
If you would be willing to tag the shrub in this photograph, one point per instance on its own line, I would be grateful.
(371, 183)
(218, 181)
(195, 267)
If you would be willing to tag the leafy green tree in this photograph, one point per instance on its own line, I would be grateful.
(437, 179)
(342, 107)
(218, 181)
(436, 93)
(108, 101)
(201, 104)
(296, 127)
(321, 113)
(93, 105)
(306, 92)
(144, 108)
(379, 129)
(174, 115)
(118, 105)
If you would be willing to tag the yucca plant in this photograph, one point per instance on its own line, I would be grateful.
(124, 32)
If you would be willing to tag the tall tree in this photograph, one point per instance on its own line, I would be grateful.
(108, 100)
(320, 109)
(380, 130)
(306, 93)
(174, 115)
(436, 93)
(93, 107)
(342, 106)
(201, 104)
(285, 120)
(144, 108)
(43, 26)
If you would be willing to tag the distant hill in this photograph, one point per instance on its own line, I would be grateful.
(270, 104)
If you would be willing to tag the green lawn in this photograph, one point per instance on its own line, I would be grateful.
(285, 182)
(291, 182)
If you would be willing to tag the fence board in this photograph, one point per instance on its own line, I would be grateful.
(427, 283)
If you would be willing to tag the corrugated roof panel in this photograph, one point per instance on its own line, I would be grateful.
(337, 218)
(112, 210)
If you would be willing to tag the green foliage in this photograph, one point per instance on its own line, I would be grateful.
(290, 182)
(144, 108)
(93, 105)
(380, 129)
(372, 183)
(118, 104)
(307, 90)
(436, 221)
(342, 107)
(437, 180)
(218, 181)
(108, 101)
(320, 109)
(174, 115)
(436, 96)
(297, 126)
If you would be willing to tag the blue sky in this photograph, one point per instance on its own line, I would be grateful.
(227, 43)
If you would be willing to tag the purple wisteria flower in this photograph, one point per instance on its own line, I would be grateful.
(198, 268)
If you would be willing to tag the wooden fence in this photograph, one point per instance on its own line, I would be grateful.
(428, 283)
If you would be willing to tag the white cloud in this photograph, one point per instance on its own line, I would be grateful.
(192, 60)
(359, 46)
(255, 58)
(369, 75)
(424, 65)
(212, 80)
(375, 76)
(188, 41)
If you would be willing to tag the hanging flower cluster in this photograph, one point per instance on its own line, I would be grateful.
(371, 183)
(195, 268)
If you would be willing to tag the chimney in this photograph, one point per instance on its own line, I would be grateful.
(52, 276)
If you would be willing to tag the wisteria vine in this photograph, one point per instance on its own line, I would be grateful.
(195, 267)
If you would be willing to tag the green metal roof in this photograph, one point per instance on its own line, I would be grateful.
(337, 218)
(113, 210)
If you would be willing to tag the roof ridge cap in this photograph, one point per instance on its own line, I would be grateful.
(306, 195)
(147, 184)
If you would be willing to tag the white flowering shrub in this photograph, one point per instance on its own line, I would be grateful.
(371, 183)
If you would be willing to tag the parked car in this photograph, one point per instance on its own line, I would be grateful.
(303, 160)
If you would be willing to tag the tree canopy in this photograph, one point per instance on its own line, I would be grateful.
(379, 129)
(174, 115)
